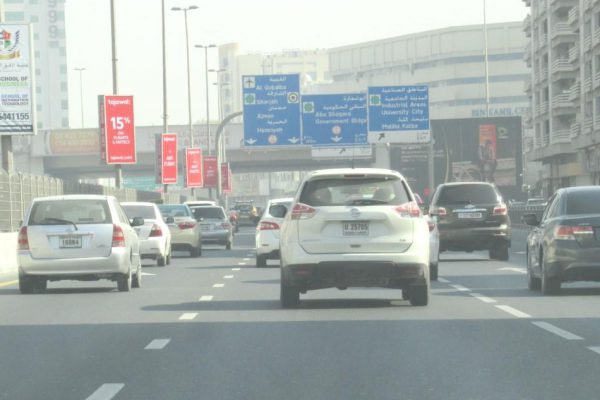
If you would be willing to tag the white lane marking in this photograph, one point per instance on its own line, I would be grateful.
(106, 391)
(520, 252)
(228, 277)
(461, 288)
(513, 269)
(241, 263)
(206, 298)
(595, 349)
(556, 330)
(236, 269)
(218, 285)
(513, 311)
(147, 274)
(188, 316)
(247, 259)
(443, 280)
(157, 344)
(483, 298)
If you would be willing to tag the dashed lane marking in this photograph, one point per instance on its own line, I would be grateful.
(188, 316)
(241, 263)
(228, 277)
(206, 298)
(443, 280)
(106, 391)
(147, 274)
(218, 285)
(557, 331)
(513, 311)
(236, 269)
(513, 269)
(595, 349)
(461, 288)
(520, 252)
(483, 298)
(247, 259)
(157, 344)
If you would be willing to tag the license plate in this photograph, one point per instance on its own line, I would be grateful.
(70, 242)
(470, 215)
(356, 229)
(205, 227)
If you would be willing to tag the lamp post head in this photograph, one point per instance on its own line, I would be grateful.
(176, 9)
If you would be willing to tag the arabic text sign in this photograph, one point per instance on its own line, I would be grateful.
(399, 114)
(271, 110)
(169, 158)
(210, 172)
(193, 168)
(225, 178)
(119, 130)
(17, 102)
(334, 119)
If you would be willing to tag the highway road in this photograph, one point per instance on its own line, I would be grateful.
(212, 328)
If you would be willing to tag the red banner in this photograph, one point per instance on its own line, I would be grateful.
(193, 168)
(225, 178)
(119, 130)
(169, 158)
(210, 171)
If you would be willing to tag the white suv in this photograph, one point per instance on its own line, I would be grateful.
(268, 230)
(354, 228)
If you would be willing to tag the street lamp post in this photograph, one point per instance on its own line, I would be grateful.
(486, 62)
(210, 46)
(113, 36)
(189, 87)
(80, 70)
(218, 84)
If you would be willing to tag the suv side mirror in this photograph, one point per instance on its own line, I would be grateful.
(530, 219)
(137, 221)
(170, 220)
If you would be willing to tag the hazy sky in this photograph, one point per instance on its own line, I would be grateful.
(258, 25)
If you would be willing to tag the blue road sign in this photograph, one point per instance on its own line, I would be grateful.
(271, 110)
(334, 119)
(399, 114)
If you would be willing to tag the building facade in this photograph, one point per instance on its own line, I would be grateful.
(563, 51)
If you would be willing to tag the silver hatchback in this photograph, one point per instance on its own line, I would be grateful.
(78, 237)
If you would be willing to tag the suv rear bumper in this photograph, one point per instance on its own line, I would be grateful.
(468, 238)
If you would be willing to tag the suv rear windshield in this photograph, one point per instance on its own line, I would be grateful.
(139, 211)
(468, 194)
(583, 202)
(368, 190)
(208, 212)
(64, 212)
(174, 210)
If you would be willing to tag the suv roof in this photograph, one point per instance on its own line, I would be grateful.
(352, 171)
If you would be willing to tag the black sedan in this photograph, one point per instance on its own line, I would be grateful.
(564, 246)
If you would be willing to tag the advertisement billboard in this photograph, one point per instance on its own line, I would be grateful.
(226, 178)
(17, 98)
(118, 128)
(168, 158)
(194, 177)
(210, 171)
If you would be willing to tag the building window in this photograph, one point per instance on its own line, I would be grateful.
(38, 108)
(65, 123)
(15, 16)
(37, 54)
(62, 51)
(38, 72)
(40, 125)
(36, 36)
(63, 69)
(38, 89)
(64, 104)
(64, 87)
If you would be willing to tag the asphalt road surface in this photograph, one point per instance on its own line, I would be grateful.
(212, 328)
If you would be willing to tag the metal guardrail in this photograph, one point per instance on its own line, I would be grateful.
(516, 213)
(18, 190)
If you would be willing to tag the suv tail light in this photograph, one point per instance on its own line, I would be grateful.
(500, 210)
(118, 239)
(155, 231)
(566, 232)
(23, 239)
(410, 209)
(302, 211)
(439, 211)
(268, 226)
(186, 225)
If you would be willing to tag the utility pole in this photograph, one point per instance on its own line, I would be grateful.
(80, 70)
(118, 167)
(6, 141)
(487, 67)
(164, 64)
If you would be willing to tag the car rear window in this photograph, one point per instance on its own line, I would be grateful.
(208, 212)
(468, 194)
(343, 191)
(63, 212)
(174, 210)
(139, 211)
(583, 202)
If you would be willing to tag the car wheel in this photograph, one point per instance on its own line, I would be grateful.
(161, 261)
(419, 295)
(549, 286)
(433, 272)
(289, 295)
(194, 252)
(228, 245)
(261, 261)
(40, 284)
(502, 252)
(169, 258)
(26, 285)
(124, 282)
(137, 278)
(406, 293)
(533, 282)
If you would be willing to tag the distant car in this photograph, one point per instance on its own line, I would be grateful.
(354, 228)
(186, 234)
(154, 235)
(267, 230)
(472, 216)
(536, 202)
(233, 219)
(564, 245)
(78, 237)
(247, 213)
(199, 203)
(215, 225)
(434, 247)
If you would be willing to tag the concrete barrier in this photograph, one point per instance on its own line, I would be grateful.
(8, 255)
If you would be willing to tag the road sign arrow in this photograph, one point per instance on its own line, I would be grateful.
(294, 140)
(250, 141)
(381, 136)
(336, 138)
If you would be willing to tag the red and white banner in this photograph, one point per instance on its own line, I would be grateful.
(168, 157)
(117, 128)
(194, 177)
(210, 171)
(226, 186)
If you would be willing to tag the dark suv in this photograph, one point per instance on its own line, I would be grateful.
(471, 216)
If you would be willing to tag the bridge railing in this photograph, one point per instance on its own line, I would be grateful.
(18, 190)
